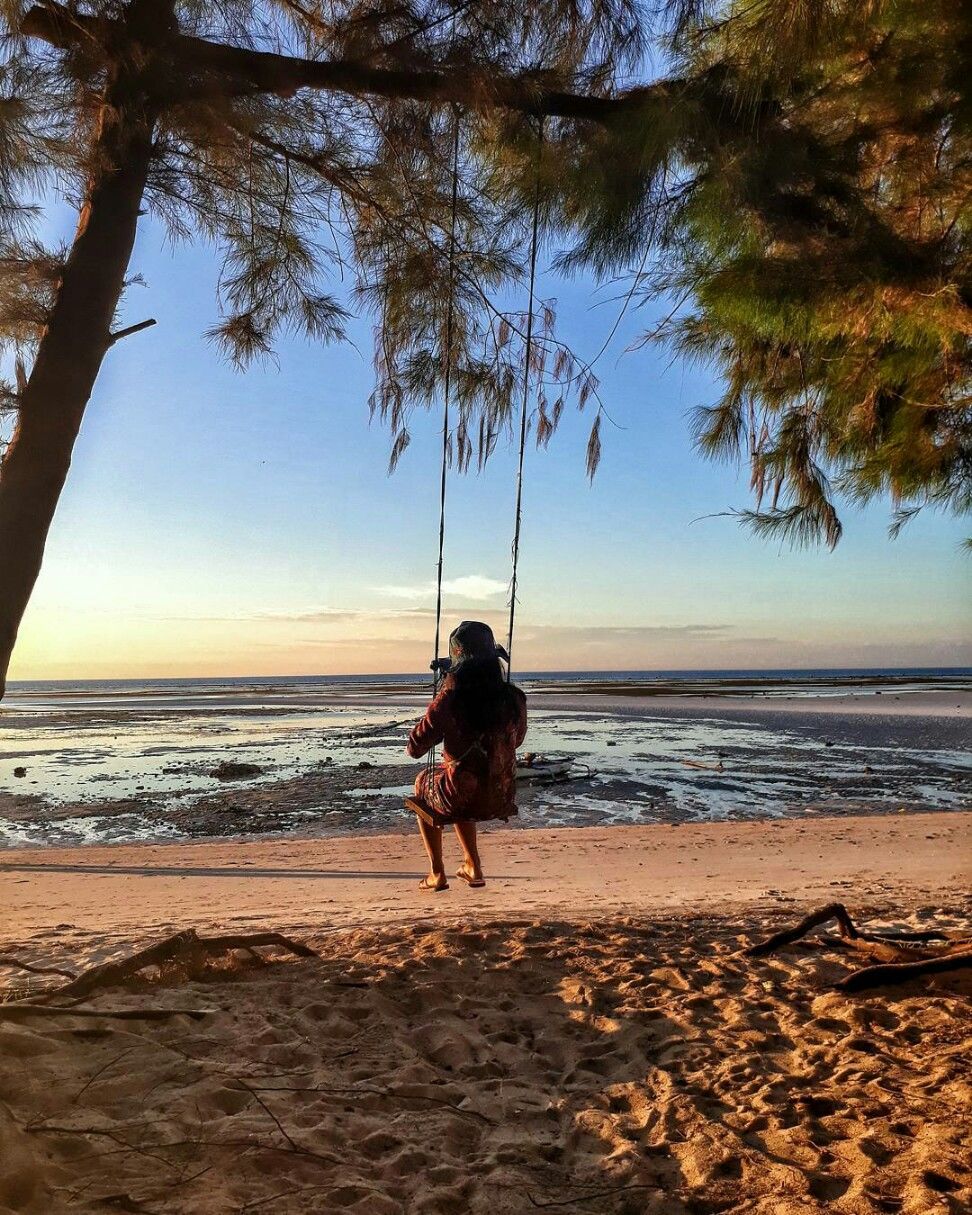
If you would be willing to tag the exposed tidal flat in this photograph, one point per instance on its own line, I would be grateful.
(127, 761)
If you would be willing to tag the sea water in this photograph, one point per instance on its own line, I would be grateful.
(130, 759)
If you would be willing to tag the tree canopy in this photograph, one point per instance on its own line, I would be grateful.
(796, 182)
(820, 239)
(313, 145)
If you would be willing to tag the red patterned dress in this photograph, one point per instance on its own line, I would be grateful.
(476, 779)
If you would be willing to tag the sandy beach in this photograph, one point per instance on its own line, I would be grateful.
(583, 1034)
(53, 895)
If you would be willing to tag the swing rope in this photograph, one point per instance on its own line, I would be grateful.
(448, 356)
(528, 359)
(447, 390)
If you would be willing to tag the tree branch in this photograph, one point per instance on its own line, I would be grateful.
(127, 332)
(187, 68)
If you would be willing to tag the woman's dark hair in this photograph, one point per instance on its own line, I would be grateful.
(484, 699)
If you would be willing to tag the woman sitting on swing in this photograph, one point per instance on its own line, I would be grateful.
(480, 719)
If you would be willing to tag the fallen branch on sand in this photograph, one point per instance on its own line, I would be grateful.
(370, 1091)
(579, 1198)
(298, 1148)
(186, 948)
(21, 1011)
(902, 972)
(900, 956)
(16, 963)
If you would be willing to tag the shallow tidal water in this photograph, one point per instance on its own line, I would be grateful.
(113, 768)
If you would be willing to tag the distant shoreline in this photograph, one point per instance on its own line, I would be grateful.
(655, 682)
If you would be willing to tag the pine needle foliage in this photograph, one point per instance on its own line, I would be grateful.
(808, 191)
(798, 183)
(322, 202)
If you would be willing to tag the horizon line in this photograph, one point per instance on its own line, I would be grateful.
(413, 674)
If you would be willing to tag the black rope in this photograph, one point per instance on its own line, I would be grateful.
(518, 516)
(446, 395)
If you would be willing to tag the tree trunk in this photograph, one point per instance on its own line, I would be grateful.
(78, 334)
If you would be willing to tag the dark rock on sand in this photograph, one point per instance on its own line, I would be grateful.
(20, 771)
(231, 770)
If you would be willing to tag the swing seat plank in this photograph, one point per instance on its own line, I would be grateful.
(434, 818)
(427, 814)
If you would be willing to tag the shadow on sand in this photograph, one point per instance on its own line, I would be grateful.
(621, 1067)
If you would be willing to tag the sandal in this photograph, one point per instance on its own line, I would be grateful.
(463, 873)
(433, 885)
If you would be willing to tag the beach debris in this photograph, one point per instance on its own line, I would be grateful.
(21, 1011)
(697, 763)
(897, 956)
(20, 771)
(384, 727)
(365, 763)
(18, 964)
(231, 769)
(187, 949)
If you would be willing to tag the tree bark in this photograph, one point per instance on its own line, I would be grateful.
(78, 333)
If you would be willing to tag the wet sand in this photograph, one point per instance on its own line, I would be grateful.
(70, 895)
(955, 704)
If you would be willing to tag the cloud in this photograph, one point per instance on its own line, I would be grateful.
(476, 587)
(576, 637)
(328, 615)
(601, 634)
(320, 615)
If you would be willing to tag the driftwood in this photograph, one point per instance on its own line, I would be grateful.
(186, 947)
(21, 1011)
(901, 956)
(18, 964)
(902, 972)
(577, 1199)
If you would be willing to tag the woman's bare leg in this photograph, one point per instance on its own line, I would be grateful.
(466, 834)
(432, 839)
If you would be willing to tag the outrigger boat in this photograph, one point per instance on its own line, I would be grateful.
(533, 768)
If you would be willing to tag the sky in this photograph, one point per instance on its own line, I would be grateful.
(226, 523)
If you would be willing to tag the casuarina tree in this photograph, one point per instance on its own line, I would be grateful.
(300, 139)
(795, 182)
(810, 198)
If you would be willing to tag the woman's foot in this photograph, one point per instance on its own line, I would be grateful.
(470, 876)
(434, 883)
